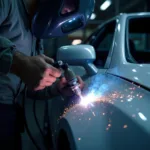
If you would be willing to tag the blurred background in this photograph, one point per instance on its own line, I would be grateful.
(104, 10)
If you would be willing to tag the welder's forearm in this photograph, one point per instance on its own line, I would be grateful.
(6, 55)
(17, 62)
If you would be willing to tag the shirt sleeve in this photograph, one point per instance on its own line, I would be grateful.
(4, 10)
(7, 48)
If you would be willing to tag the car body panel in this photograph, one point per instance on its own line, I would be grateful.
(120, 120)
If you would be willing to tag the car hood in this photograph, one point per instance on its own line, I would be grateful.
(138, 73)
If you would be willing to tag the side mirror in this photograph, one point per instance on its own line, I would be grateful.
(78, 55)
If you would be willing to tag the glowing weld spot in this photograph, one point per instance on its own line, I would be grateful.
(85, 101)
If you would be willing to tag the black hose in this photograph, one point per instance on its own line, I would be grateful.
(36, 120)
(25, 121)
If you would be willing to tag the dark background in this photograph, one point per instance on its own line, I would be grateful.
(117, 7)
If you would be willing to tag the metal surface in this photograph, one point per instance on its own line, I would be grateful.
(119, 117)
(138, 73)
(120, 120)
(76, 54)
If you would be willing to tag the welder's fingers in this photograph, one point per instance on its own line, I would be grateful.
(48, 59)
(48, 78)
(52, 71)
(80, 81)
(45, 83)
(62, 82)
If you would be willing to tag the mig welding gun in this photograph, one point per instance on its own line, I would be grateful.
(70, 77)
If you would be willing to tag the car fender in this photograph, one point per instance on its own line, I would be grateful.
(119, 121)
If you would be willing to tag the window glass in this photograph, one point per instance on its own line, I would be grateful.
(139, 39)
(106, 43)
(102, 41)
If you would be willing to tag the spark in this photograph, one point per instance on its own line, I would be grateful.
(103, 114)
(89, 118)
(109, 125)
(125, 126)
(122, 96)
(79, 139)
(93, 114)
(130, 99)
(129, 96)
(131, 92)
(107, 128)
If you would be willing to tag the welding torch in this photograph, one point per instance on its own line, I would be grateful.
(70, 77)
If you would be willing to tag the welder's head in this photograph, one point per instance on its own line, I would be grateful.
(56, 18)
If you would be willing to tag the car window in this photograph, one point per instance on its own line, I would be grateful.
(139, 39)
(102, 41)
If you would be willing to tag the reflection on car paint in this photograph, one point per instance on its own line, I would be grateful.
(114, 96)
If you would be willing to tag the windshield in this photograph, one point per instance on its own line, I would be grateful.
(139, 39)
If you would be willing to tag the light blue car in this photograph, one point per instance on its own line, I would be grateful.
(114, 113)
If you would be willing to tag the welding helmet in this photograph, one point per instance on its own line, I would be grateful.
(56, 18)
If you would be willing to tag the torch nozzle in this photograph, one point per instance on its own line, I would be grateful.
(70, 77)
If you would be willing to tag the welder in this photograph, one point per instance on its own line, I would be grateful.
(23, 25)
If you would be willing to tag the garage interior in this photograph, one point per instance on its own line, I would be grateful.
(104, 10)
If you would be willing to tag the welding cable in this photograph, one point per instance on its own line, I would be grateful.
(25, 121)
(38, 124)
(36, 120)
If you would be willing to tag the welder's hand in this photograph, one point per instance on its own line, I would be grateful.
(66, 91)
(37, 71)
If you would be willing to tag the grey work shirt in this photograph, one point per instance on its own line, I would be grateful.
(14, 32)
